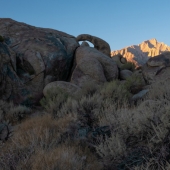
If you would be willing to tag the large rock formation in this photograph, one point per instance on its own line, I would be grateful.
(139, 54)
(93, 65)
(32, 57)
(98, 43)
(35, 60)
(157, 68)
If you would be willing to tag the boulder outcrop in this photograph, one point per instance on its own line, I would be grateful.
(32, 57)
(157, 68)
(124, 74)
(93, 65)
(98, 43)
(35, 60)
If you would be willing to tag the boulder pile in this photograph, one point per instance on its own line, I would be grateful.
(33, 60)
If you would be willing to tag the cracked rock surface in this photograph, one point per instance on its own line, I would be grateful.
(32, 57)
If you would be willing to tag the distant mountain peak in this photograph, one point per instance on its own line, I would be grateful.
(140, 53)
(153, 40)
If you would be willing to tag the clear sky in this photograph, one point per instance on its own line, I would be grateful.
(120, 22)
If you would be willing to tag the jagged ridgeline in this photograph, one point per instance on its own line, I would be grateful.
(139, 54)
(76, 107)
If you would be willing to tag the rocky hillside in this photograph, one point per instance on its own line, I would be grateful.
(33, 57)
(140, 53)
(75, 107)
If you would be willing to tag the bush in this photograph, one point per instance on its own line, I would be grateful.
(128, 66)
(54, 100)
(13, 113)
(87, 107)
(160, 91)
(1, 39)
(112, 148)
(136, 80)
(36, 134)
(18, 113)
(139, 136)
(115, 92)
(88, 89)
(42, 138)
(66, 158)
(71, 106)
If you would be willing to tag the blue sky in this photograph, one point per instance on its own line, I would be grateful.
(120, 22)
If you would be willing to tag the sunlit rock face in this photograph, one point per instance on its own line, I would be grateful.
(32, 57)
(139, 54)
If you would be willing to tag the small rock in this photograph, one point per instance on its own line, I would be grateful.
(124, 74)
(66, 86)
(140, 94)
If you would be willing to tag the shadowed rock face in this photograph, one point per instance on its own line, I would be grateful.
(32, 57)
(98, 43)
(160, 60)
(157, 68)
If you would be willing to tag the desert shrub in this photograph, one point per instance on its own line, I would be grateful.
(113, 97)
(66, 157)
(83, 109)
(115, 92)
(5, 131)
(1, 39)
(167, 165)
(54, 100)
(17, 113)
(160, 91)
(53, 140)
(15, 158)
(87, 107)
(143, 121)
(4, 107)
(105, 114)
(128, 66)
(132, 81)
(109, 89)
(150, 126)
(153, 164)
(40, 133)
(13, 113)
(145, 125)
(88, 89)
(71, 106)
(112, 148)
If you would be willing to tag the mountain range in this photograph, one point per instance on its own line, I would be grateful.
(139, 54)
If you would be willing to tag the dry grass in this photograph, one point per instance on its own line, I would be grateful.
(37, 133)
(146, 124)
(140, 135)
(65, 157)
(54, 100)
(128, 66)
(13, 114)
